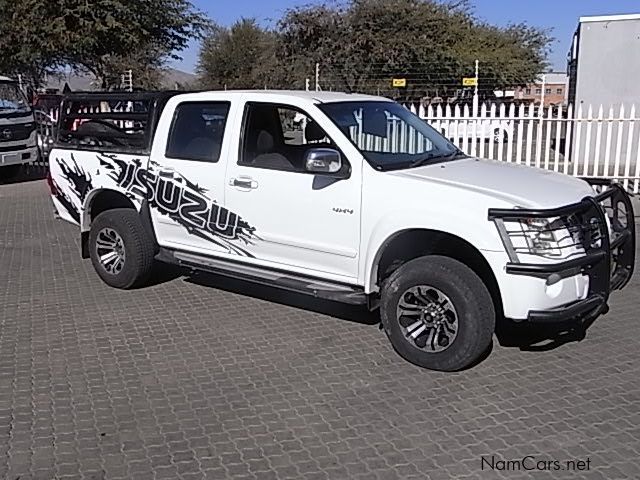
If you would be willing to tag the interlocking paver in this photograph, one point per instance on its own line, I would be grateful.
(180, 380)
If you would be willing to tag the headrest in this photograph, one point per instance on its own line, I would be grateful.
(264, 142)
(313, 132)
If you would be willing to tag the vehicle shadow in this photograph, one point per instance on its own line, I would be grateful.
(163, 273)
(540, 337)
(352, 313)
(27, 174)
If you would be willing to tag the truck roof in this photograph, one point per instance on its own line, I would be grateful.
(318, 96)
(610, 18)
(312, 96)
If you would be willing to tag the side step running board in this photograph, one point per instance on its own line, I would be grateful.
(284, 280)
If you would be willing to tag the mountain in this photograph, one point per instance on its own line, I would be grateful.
(171, 78)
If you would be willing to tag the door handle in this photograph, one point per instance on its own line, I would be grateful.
(244, 183)
(166, 172)
(169, 173)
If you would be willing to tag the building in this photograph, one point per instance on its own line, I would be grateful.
(549, 89)
(604, 70)
(604, 61)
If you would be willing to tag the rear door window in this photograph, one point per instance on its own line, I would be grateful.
(197, 131)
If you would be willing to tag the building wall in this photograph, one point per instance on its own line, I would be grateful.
(608, 63)
(555, 93)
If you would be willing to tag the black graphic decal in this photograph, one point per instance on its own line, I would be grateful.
(181, 200)
(66, 202)
(77, 178)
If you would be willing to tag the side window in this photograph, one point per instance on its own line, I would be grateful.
(197, 131)
(278, 137)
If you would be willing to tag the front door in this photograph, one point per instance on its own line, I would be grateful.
(186, 181)
(302, 221)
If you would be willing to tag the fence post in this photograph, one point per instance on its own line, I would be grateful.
(556, 157)
(627, 160)
(475, 92)
(596, 159)
(575, 153)
(505, 137)
(616, 168)
(547, 144)
(607, 147)
(587, 142)
(530, 125)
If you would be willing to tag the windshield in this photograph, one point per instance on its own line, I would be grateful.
(12, 98)
(388, 135)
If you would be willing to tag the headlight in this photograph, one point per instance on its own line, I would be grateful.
(554, 238)
(540, 238)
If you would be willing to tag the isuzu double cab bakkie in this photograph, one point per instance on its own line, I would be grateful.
(345, 197)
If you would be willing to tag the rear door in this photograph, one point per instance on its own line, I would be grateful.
(186, 175)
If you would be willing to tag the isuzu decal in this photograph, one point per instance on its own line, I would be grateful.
(181, 200)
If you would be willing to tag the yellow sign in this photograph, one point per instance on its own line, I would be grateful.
(469, 82)
(399, 82)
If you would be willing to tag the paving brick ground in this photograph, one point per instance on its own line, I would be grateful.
(181, 380)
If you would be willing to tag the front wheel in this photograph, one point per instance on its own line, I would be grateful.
(120, 249)
(437, 313)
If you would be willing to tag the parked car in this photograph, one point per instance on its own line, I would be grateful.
(17, 129)
(497, 131)
(367, 205)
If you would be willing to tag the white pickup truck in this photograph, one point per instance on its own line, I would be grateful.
(346, 197)
(18, 136)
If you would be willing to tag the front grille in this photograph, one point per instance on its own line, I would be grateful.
(12, 133)
(13, 148)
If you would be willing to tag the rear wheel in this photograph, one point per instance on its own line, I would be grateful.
(437, 313)
(121, 251)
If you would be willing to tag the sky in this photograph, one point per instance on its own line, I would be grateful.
(561, 16)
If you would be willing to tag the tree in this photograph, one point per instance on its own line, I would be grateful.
(27, 41)
(242, 56)
(365, 43)
(94, 34)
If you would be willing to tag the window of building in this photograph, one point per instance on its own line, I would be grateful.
(277, 137)
(547, 91)
(538, 91)
(197, 131)
(527, 91)
(559, 91)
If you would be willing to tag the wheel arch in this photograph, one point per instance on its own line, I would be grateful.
(408, 244)
(103, 199)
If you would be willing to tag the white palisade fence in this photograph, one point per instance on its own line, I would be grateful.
(587, 141)
(593, 142)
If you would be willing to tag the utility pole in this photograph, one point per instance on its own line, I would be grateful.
(544, 81)
(127, 80)
(306, 84)
(317, 77)
(475, 92)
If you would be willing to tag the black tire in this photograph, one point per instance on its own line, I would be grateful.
(139, 249)
(468, 295)
(10, 172)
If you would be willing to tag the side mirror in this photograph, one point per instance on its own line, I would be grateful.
(323, 160)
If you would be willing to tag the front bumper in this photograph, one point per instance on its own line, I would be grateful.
(19, 156)
(608, 266)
